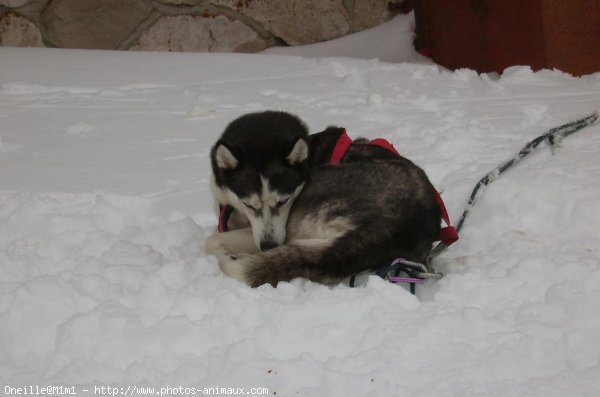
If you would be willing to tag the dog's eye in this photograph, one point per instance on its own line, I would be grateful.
(250, 207)
(281, 202)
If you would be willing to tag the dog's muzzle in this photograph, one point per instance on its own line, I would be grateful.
(267, 245)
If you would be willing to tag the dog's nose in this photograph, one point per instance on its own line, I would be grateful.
(267, 245)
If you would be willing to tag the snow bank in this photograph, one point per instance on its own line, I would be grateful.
(104, 209)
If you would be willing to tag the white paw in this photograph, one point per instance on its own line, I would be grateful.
(233, 267)
(214, 245)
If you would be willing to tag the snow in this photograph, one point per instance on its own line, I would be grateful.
(105, 207)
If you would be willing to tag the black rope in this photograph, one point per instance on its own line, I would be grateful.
(551, 137)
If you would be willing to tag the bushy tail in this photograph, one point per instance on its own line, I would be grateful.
(283, 263)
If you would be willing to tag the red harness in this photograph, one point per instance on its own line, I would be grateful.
(449, 234)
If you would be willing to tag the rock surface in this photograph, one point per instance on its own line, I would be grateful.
(369, 13)
(198, 33)
(102, 24)
(183, 2)
(296, 22)
(186, 25)
(14, 3)
(17, 31)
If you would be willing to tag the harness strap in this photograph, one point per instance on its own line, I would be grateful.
(382, 143)
(225, 212)
(341, 146)
(449, 234)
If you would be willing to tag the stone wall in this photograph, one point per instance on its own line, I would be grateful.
(185, 25)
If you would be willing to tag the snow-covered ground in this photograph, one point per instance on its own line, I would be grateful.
(105, 207)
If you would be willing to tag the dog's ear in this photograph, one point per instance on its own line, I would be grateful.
(224, 158)
(299, 152)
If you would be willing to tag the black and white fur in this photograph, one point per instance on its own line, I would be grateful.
(259, 168)
(337, 220)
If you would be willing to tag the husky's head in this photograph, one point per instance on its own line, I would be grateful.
(260, 165)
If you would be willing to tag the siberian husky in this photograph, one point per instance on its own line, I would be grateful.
(295, 215)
